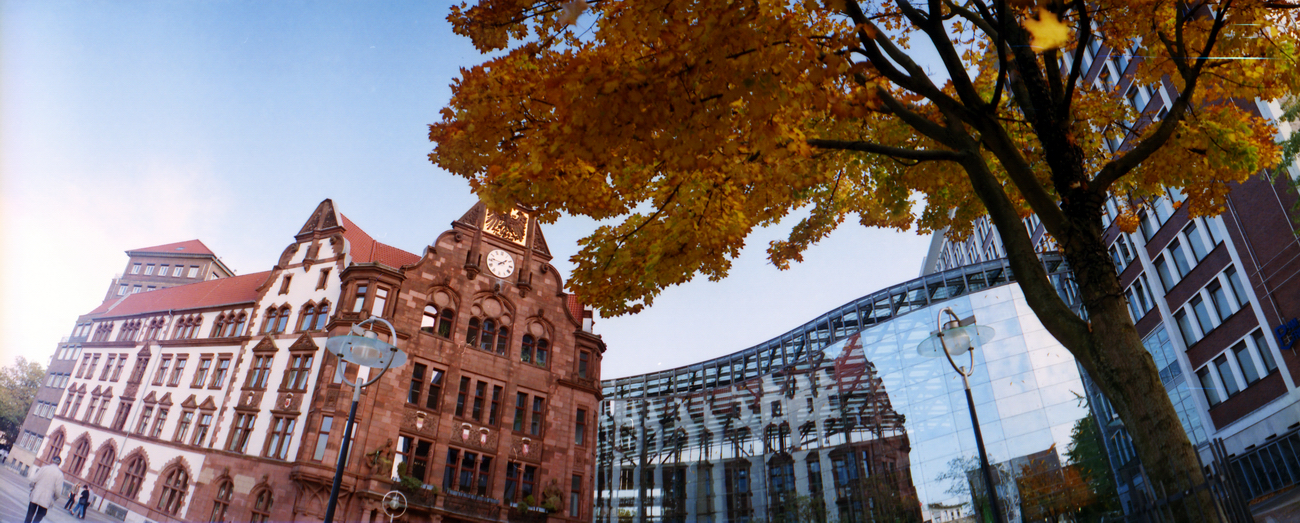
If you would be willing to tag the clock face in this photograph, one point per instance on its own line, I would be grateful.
(500, 263)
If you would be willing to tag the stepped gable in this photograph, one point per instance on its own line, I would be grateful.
(187, 247)
(211, 293)
(365, 249)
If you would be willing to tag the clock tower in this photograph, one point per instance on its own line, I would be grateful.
(507, 246)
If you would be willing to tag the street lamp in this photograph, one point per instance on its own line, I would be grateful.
(364, 348)
(957, 337)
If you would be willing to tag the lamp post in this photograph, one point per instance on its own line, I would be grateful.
(956, 337)
(364, 348)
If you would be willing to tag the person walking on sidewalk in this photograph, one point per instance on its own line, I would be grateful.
(45, 485)
(80, 511)
(72, 498)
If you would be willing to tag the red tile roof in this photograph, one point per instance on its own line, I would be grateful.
(189, 247)
(575, 308)
(211, 293)
(365, 249)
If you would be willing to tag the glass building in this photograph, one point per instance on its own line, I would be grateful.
(842, 419)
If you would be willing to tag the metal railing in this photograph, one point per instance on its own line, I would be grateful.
(1270, 467)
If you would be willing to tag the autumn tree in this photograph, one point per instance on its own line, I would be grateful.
(19, 382)
(688, 123)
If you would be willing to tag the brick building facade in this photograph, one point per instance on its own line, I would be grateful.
(229, 407)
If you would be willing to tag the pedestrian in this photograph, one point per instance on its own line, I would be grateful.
(45, 485)
(72, 498)
(80, 511)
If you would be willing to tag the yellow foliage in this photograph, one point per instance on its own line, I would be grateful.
(688, 123)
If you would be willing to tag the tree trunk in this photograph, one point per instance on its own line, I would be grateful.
(1115, 359)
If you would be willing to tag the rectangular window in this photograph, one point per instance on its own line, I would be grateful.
(1166, 276)
(1202, 314)
(584, 362)
(1246, 363)
(521, 411)
(205, 422)
(494, 410)
(434, 397)
(1199, 249)
(117, 370)
(178, 371)
(580, 428)
(145, 414)
(575, 496)
(417, 384)
(1238, 289)
(183, 426)
(201, 373)
(416, 454)
(135, 268)
(1180, 258)
(176, 271)
(381, 301)
(240, 432)
(194, 272)
(108, 367)
(99, 414)
(539, 411)
(284, 284)
(1185, 327)
(480, 393)
(277, 442)
(1261, 345)
(322, 437)
(219, 378)
(162, 270)
(359, 297)
(260, 372)
(1225, 375)
(295, 378)
(121, 289)
(468, 472)
(135, 289)
(1220, 300)
(158, 423)
(148, 269)
(1214, 227)
(324, 279)
(462, 396)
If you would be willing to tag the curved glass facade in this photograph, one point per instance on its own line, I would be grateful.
(842, 419)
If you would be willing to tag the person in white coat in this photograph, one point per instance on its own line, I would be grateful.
(45, 490)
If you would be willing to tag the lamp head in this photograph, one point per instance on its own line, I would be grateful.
(959, 336)
(363, 347)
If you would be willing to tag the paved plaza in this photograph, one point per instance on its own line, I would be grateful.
(14, 491)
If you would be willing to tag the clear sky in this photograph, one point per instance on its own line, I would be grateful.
(131, 124)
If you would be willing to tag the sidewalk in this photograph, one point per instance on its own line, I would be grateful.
(14, 496)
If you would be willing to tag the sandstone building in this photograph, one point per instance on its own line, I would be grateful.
(216, 401)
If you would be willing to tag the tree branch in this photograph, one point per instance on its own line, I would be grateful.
(893, 152)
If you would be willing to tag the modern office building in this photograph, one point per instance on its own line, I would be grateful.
(1215, 299)
(842, 418)
(216, 401)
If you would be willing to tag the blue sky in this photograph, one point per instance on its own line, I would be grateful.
(130, 124)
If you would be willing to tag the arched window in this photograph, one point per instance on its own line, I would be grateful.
(489, 336)
(174, 483)
(221, 502)
(237, 326)
(103, 465)
(445, 322)
(471, 333)
(306, 318)
(503, 340)
(56, 446)
(268, 324)
(543, 351)
(429, 323)
(283, 321)
(195, 323)
(526, 349)
(218, 327)
(262, 507)
(133, 476)
(322, 315)
(80, 450)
